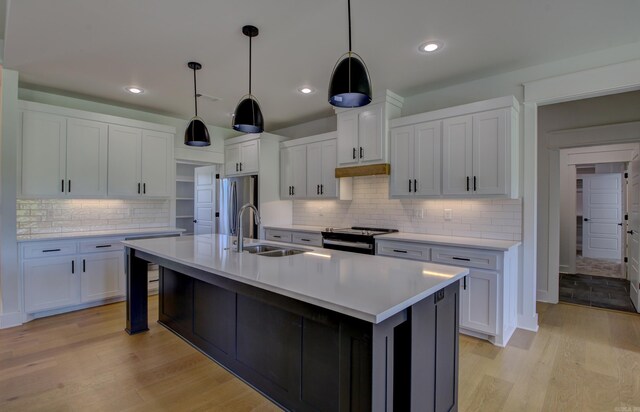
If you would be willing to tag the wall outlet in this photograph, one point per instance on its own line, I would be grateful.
(418, 213)
(448, 214)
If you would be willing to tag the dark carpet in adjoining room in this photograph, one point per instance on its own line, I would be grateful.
(597, 291)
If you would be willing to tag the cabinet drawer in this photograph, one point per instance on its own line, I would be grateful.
(101, 245)
(311, 239)
(38, 250)
(278, 235)
(403, 250)
(466, 258)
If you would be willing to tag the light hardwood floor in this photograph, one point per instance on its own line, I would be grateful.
(582, 359)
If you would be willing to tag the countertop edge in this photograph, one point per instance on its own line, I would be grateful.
(473, 243)
(310, 229)
(99, 234)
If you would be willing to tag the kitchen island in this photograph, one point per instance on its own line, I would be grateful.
(319, 330)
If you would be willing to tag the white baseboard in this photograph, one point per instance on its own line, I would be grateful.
(9, 320)
(528, 322)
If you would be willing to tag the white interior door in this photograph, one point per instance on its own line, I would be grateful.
(633, 230)
(602, 211)
(204, 201)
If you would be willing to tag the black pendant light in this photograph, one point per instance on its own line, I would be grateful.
(350, 84)
(196, 133)
(248, 116)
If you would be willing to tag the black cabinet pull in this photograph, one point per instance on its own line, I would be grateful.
(69, 186)
(361, 152)
(293, 190)
(415, 185)
(475, 187)
(195, 220)
(399, 251)
(305, 240)
(289, 190)
(465, 283)
(459, 258)
(467, 183)
(630, 232)
(317, 189)
(84, 266)
(138, 188)
(409, 185)
(354, 152)
(102, 246)
(73, 266)
(236, 167)
(144, 188)
(241, 166)
(50, 250)
(586, 219)
(321, 189)
(277, 236)
(62, 187)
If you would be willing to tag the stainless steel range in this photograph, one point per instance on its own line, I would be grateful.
(353, 239)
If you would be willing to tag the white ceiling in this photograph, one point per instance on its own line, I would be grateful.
(95, 47)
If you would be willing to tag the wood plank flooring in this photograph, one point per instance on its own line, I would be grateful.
(582, 359)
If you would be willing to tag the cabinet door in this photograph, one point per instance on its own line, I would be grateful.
(299, 171)
(348, 138)
(371, 135)
(286, 172)
(479, 301)
(490, 152)
(43, 154)
(86, 158)
(402, 140)
(155, 163)
(314, 169)
(329, 183)
(50, 283)
(249, 157)
(232, 160)
(124, 161)
(102, 276)
(456, 156)
(427, 155)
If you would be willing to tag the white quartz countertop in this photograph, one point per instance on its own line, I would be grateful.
(298, 228)
(469, 242)
(100, 233)
(367, 287)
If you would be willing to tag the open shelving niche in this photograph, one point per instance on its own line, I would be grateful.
(185, 194)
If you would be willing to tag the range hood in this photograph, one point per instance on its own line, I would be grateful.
(367, 170)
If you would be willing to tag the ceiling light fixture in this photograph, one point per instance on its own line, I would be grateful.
(350, 84)
(134, 90)
(306, 90)
(196, 133)
(430, 46)
(248, 116)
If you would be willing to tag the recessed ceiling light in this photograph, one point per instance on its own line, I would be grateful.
(306, 90)
(430, 46)
(134, 90)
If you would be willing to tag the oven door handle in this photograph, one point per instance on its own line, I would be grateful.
(358, 245)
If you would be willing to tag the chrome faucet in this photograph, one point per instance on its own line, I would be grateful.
(256, 216)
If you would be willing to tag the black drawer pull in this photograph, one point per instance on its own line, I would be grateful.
(399, 251)
(73, 266)
(144, 188)
(101, 246)
(321, 189)
(277, 236)
(409, 185)
(361, 153)
(62, 187)
(475, 186)
(458, 258)
(305, 240)
(69, 188)
(84, 265)
(467, 183)
(354, 152)
(51, 250)
(154, 281)
(138, 188)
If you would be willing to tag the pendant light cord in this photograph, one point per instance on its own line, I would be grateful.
(249, 65)
(349, 14)
(195, 93)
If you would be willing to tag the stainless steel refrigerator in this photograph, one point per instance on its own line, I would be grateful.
(233, 193)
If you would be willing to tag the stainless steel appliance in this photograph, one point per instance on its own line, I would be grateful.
(233, 193)
(353, 239)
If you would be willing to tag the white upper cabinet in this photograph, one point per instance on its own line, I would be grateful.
(138, 162)
(293, 172)
(242, 158)
(66, 153)
(43, 149)
(363, 133)
(321, 166)
(477, 157)
(79, 166)
(415, 160)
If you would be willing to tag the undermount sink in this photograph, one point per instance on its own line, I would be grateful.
(273, 251)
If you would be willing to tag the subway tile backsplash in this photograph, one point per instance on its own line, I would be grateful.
(40, 216)
(371, 206)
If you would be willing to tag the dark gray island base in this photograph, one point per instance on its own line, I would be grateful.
(304, 357)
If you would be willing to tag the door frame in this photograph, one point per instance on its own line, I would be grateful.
(601, 81)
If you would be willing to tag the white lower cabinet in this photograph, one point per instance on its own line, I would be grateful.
(293, 236)
(487, 293)
(59, 275)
